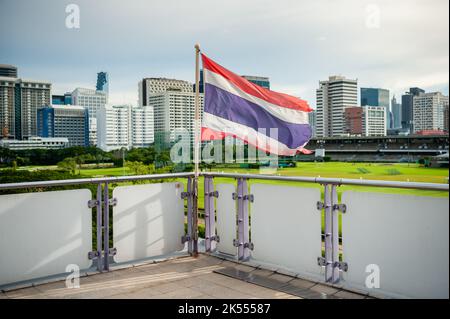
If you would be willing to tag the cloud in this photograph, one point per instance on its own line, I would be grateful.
(295, 43)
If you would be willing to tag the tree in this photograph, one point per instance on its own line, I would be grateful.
(68, 164)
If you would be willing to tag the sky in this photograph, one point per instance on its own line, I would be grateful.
(388, 44)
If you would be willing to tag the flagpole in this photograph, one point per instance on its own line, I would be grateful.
(197, 128)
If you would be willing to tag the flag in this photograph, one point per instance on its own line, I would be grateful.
(234, 106)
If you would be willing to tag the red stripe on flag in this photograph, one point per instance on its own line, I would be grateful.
(273, 97)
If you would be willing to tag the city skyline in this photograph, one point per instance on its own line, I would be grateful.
(417, 42)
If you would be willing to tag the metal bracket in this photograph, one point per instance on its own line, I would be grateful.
(323, 262)
(249, 245)
(320, 205)
(93, 203)
(236, 196)
(341, 265)
(93, 254)
(213, 194)
(112, 251)
(185, 195)
(249, 197)
(216, 238)
(185, 238)
(112, 201)
(340, 207)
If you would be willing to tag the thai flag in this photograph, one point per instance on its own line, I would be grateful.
(236, 107)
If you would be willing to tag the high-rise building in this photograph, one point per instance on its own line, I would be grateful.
(93, 100)
(64, 121)
(332, 97)
(377, 97)
(8, 70)
(428, 111)
(114, 127)
(407, 108)
(102, 82)
(366, 120)
(258, 80)
(396, 109)
(174, 112)
(19, 101)
(446, 124)
(150, 86)
(65, 99)
(142, 126)
(312, 122)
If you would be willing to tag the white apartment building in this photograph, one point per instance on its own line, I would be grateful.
(332, 97)
(142, 126)
(114, 127)
(150, 86)
(374, 121)
(92, 100)
(428, 111)
(174, 112)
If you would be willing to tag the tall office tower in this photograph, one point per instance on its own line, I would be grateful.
(92, 100)
(377, 97)
(333, 96)
(114, 127)
(396, 109)
(312, 122)
(102, 82)
(19, 101)
(150, 86)
(258, 80)
(366, 120)
(71, 122)
(428, 111)
(142, 126)
(407, 108)
(8, 70)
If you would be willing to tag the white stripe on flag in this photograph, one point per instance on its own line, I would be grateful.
(247, 133)
(283, 113)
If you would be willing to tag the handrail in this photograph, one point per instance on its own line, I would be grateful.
(318, 180)
(93, 180)
(336, 181)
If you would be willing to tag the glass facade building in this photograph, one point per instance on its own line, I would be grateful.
(377, 97)
(102, 82)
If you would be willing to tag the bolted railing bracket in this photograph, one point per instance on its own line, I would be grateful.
(320, 205)
(236, 196)
(249, 245)
(93, 203)
(185, 195)
(249, 197)
(112, 201)
(112, 251)
(93, 254)
(185, 238)
(216, 238)
(213, 194)
(321, 261)
(341, 265)
(340, 207)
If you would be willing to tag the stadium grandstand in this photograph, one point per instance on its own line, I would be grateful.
(409, 148)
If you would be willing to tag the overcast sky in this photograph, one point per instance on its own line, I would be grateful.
(387, 44)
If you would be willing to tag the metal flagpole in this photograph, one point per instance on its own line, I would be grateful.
(197, 128)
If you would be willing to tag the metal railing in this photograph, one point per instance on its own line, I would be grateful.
(330, 205)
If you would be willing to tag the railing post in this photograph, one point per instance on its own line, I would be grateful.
(210, 225)
(106, 228)
(190, 215)
(328, 235)
(243, 222)
(335, 234)
(99, 227)
(195, 217)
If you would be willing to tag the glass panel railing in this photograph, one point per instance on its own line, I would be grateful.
(396, 245)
